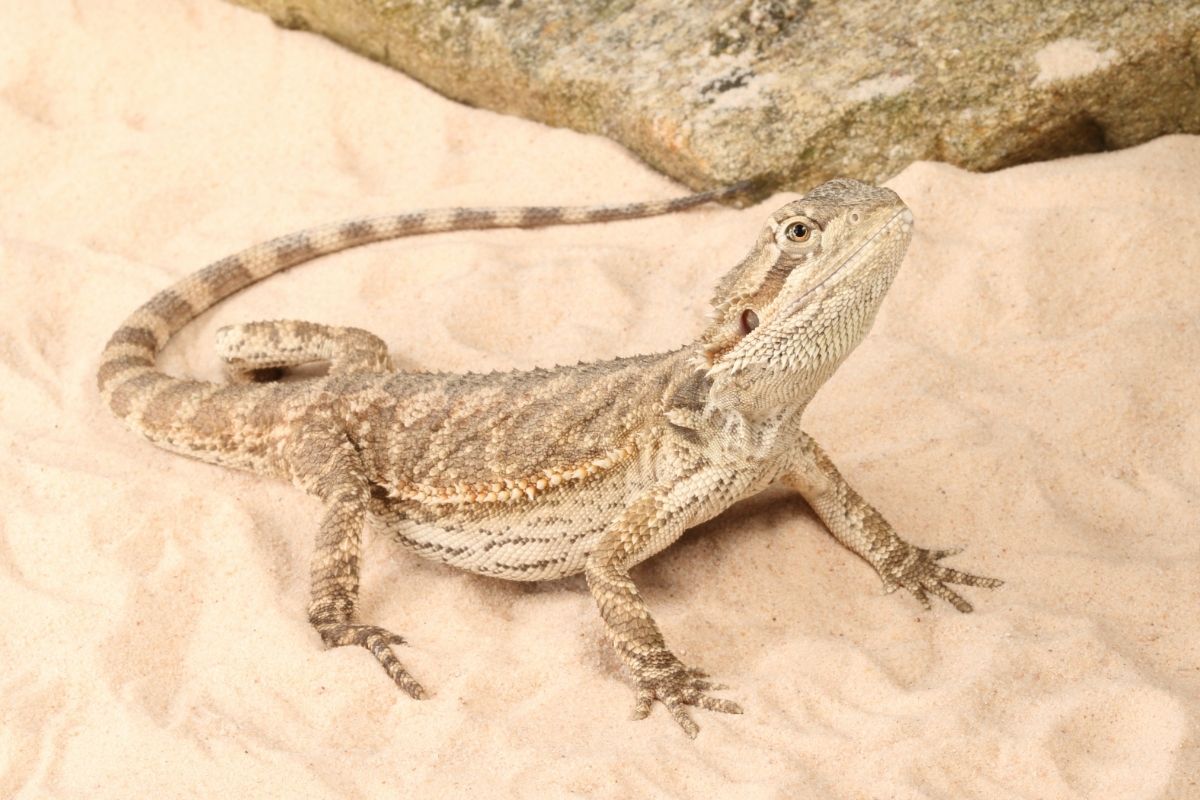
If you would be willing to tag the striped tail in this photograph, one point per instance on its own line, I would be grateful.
(165, 408)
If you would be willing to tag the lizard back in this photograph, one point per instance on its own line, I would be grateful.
(513, 474)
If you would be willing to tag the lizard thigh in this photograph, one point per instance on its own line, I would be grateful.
(256, 351)
(323, 461)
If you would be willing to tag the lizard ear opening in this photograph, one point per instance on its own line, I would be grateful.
(749, 321)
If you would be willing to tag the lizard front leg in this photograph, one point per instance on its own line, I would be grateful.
(325, 463)
(646, 526)
(258, 351)
(863, 530)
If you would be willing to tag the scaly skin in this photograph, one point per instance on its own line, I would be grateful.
(539, 474)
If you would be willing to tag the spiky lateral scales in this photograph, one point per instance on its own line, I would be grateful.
(166, 409)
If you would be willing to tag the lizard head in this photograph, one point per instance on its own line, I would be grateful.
(805, 295)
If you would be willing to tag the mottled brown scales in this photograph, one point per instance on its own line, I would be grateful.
(538, 474)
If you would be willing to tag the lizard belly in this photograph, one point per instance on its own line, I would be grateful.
(543, 538)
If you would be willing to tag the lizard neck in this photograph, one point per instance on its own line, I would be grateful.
(731, 424)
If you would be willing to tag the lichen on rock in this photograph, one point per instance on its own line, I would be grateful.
(791, 92)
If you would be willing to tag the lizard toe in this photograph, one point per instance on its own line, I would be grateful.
(918, 570)
(379, 642)
(677, 687)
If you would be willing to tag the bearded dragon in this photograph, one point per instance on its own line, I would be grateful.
(540, 474)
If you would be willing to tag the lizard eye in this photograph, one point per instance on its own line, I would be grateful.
(798, 232)
(749, 321)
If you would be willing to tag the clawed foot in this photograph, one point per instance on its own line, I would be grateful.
(917, 570)
(379, 641)
(663, 677)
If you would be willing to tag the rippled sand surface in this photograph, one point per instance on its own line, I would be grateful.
(1030, 392)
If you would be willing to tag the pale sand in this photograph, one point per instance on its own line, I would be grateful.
(1029, 391)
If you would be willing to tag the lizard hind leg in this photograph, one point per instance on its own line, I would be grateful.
(264, 351)
(325, 463)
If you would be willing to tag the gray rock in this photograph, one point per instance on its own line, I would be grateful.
(796, 91)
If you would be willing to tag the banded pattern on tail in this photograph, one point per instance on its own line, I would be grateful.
(129, 380)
